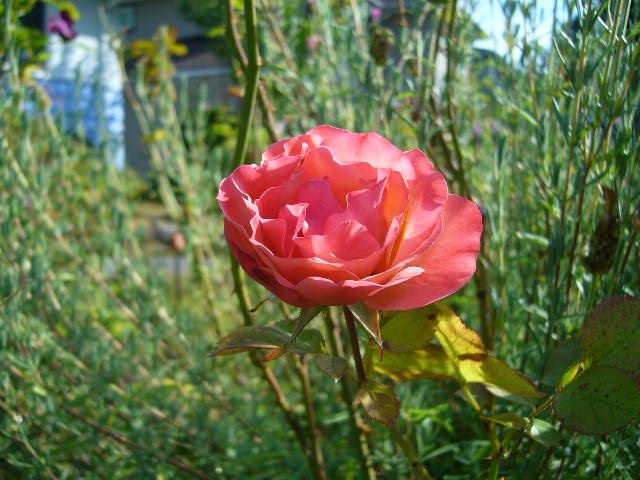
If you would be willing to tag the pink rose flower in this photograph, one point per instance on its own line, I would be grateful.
(333, 217)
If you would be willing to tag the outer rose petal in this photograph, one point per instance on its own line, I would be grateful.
(448, 264)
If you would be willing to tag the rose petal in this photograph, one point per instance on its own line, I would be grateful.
(363, 206)
(321, 202)
(448, 264)
(423, 214)
(319, 163)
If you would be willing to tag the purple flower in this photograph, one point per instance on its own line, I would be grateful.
(376, 14)
(62, 24)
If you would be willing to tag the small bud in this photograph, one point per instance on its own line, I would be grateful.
(381, 44)
(604, 241)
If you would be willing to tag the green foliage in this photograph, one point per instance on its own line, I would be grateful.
(600, 401)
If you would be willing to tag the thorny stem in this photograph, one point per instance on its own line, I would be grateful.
(355, 346)
(251, 88)
(416, 465)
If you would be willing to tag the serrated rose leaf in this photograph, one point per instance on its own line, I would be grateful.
(369, 319)
(493, 372)
(599, 401)
(611, 335)
(408, 330)
(456, 338)
(251, 338)
(379, 402)
(333, 366)
(430, 363)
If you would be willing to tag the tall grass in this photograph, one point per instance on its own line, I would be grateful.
(104, 367)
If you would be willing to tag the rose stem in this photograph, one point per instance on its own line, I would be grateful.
(355, 419)
(251, 87)
(416, 465)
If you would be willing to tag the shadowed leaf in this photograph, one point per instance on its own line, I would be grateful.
(380, 402)
(563, 362)
(333, 366)
(611, 335)
(509, 419)
(251, 338)
(599, 401)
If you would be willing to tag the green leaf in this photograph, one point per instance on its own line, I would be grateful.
(380, 402)
(251, 338)
(333, 366)
(599, 401)
(407, 331)
(306, 315)
(430, 363)
(509, 419)
(611, 335)
(493, 372)
(277, 337)
(369, 319)
(543, 432)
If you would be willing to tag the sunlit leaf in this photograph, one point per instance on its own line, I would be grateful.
(430, 363)
(599, 401)
(407, 330)
(380, 402)
(456, 338)
(543, 432)
(494, 372)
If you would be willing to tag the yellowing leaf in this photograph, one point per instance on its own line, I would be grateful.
(430, 363)
(493, 372)
(461, 355)
(407, 331)
(456, 338)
